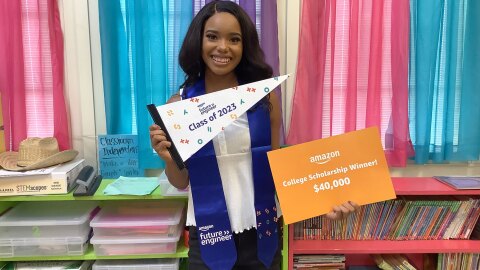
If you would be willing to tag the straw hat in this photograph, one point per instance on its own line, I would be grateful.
(35, 153)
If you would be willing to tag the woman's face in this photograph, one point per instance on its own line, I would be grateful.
(222, 46)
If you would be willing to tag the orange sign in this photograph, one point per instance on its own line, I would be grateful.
(311, 178)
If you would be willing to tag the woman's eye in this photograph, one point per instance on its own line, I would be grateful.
(211, 37)
(236, 40)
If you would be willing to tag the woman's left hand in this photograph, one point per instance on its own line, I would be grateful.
(342, 211)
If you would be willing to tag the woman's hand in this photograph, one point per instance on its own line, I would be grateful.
(342, 211)
(159, 142)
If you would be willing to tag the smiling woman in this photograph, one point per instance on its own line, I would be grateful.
(232, 191)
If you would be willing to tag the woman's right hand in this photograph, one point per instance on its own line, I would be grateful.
(159, 142)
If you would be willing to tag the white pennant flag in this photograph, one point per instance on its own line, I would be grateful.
(191, 123)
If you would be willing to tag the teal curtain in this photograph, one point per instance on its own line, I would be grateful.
(140, 40)
(444, 80)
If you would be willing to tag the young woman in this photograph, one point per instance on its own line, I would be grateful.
(232, 211)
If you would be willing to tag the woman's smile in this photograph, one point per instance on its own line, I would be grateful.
(221, 60)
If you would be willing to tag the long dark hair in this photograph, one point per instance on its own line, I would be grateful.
(252, 66)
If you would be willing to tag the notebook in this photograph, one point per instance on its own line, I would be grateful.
(460, 182)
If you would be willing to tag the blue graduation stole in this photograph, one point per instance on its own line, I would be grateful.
(217, 246)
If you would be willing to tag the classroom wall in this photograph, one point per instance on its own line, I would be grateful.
(84, 86)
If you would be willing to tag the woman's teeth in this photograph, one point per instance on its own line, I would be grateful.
(222, 60)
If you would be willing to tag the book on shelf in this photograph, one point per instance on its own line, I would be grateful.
(54, 180)
(460, 182)
(319, 262)
(393, 261)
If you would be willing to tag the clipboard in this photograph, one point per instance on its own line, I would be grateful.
(152, 109)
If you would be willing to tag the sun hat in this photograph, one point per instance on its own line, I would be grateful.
(35, 153)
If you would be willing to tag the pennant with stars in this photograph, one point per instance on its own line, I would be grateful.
(191, 123)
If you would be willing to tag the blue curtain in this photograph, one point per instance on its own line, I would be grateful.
(140, 40)
(444, 80)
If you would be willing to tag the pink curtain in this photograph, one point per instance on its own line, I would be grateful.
(352, 72)
(31, 72)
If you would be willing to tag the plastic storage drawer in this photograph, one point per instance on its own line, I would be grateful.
(46, 220)
(50, 265)
(106, 246)
(139, 219)
(29, 247)
(147, 264)
(167, 190)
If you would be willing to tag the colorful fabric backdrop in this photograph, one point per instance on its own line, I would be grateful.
(444, 85)
(361, 63)
(139, 63)
(352, 73)
(31, 72)
(139, 58)
(355, 75)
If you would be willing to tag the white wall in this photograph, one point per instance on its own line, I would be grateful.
(83, 75)
(288, 32)
(78, 77)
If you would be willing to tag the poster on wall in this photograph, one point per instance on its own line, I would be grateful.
(118, 156)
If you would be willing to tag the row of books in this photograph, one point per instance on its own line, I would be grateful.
(458, 261)
(399, 219)
(322, 262)
(445, 261)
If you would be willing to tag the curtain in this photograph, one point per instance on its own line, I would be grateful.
(444, 84)
(140, 59)
(140, 41)
(31, 72)
(352, 73)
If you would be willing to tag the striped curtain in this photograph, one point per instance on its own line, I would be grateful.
(31, 72)
(140, 40)
(352, 73)
(140, 58)
(444, 80)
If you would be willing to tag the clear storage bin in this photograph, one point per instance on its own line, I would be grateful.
(47, 220)
(146, 264)
(106, 246)
(167, 190)
(50, 265)
(140, 219)
(28, 247)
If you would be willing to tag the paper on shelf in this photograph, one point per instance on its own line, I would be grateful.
(131, 186)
